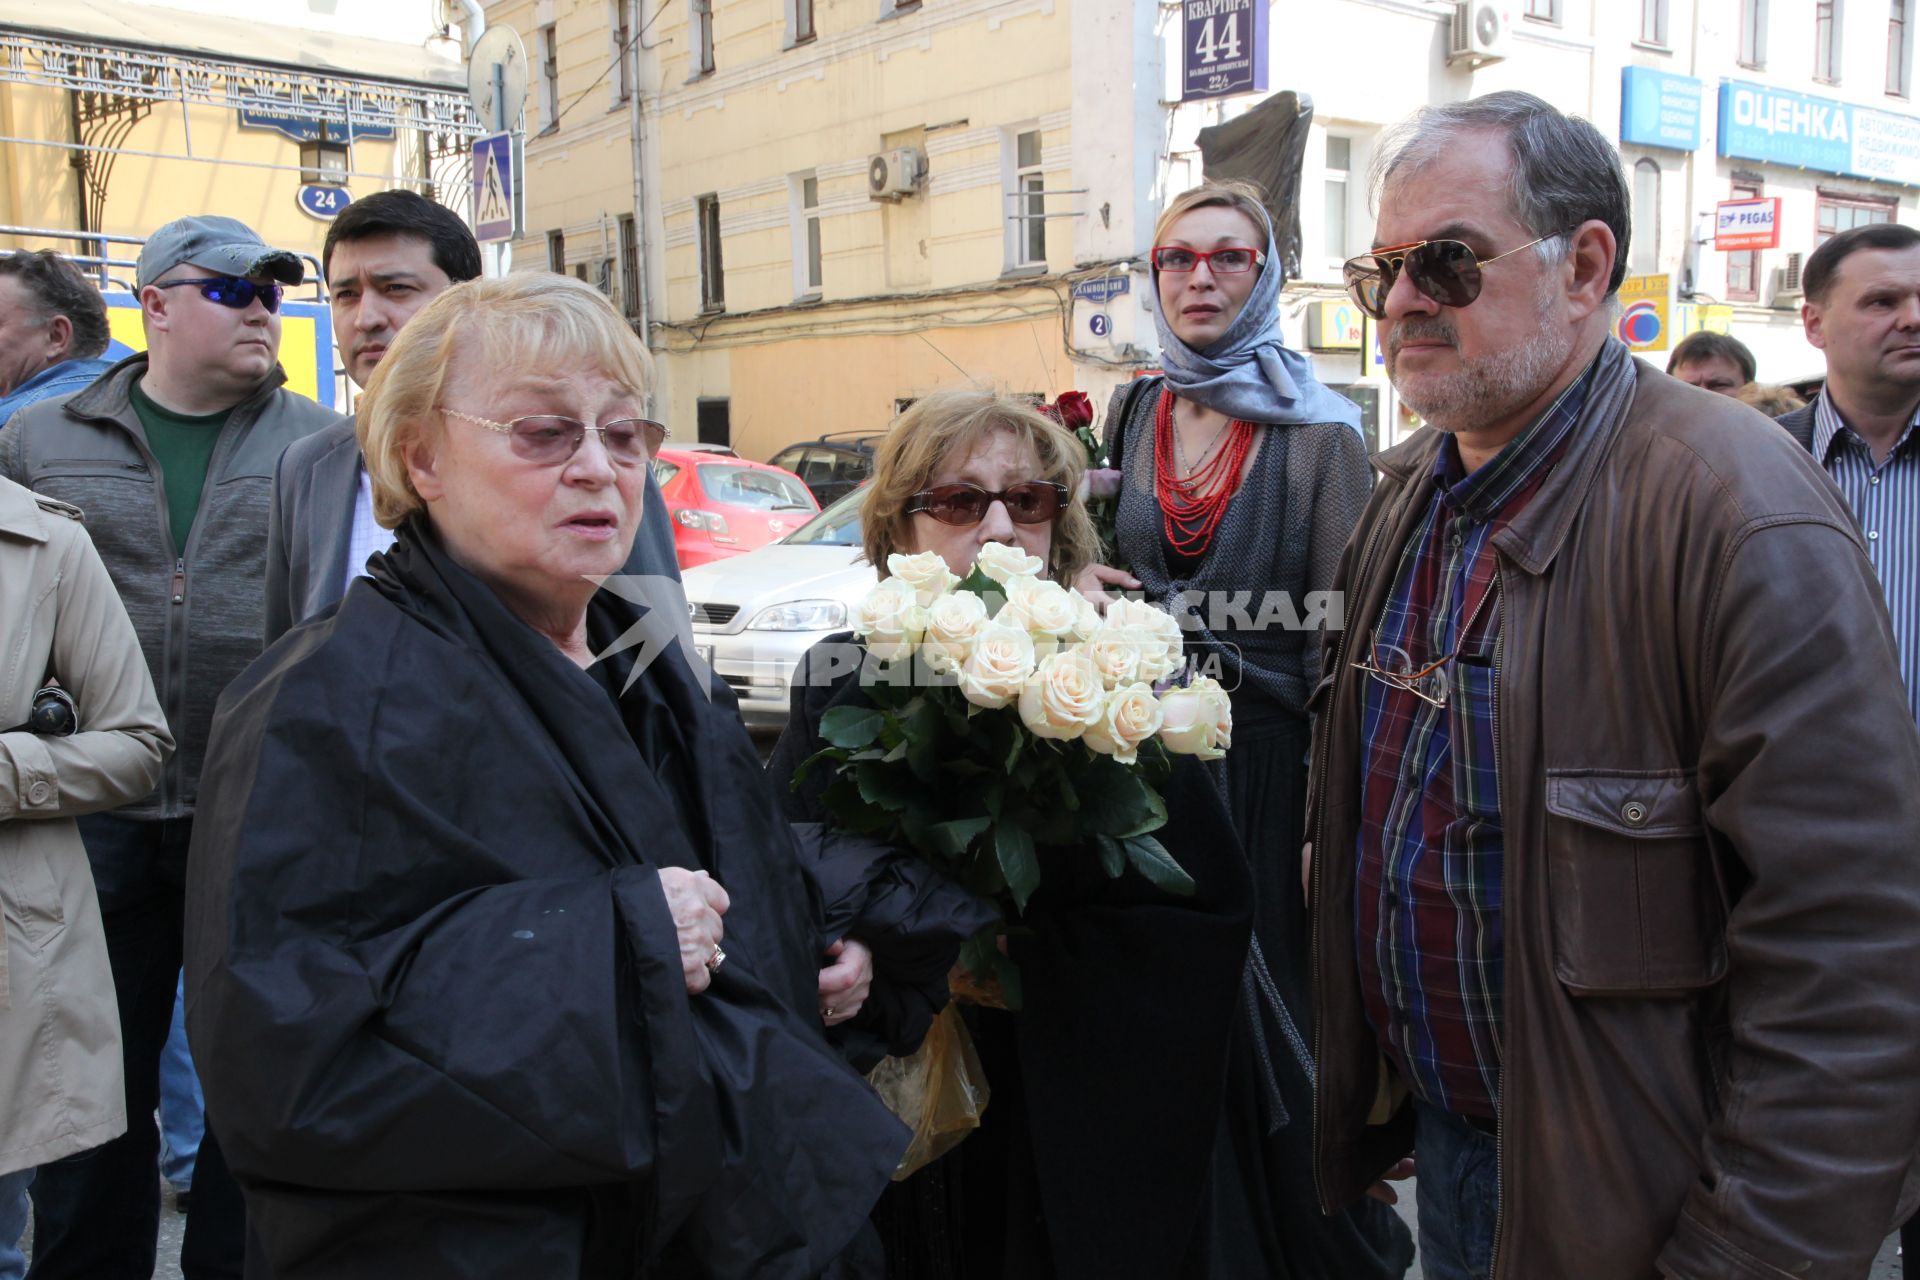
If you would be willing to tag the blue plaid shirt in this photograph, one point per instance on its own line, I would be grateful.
(1427, 926)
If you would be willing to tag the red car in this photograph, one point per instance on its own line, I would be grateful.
(722, 505)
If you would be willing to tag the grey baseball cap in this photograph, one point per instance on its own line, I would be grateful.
(225, 245)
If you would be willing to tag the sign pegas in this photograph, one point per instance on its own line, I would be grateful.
(1783, 127)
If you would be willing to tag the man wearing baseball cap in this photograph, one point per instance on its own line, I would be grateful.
(171, 456)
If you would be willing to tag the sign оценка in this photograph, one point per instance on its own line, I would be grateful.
(1223, 48)
(1777, 125)
(1747, 224)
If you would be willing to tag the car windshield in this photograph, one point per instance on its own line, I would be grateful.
(837, 526)
(750, 487)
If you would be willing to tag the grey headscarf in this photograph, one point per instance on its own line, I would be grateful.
(1249, 373)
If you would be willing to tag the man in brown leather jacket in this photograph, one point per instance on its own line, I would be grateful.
(1615, 792)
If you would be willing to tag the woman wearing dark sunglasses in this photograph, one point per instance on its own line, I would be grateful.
(1092, 1159)
(1243, 474)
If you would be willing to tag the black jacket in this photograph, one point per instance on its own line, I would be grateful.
(432, 982)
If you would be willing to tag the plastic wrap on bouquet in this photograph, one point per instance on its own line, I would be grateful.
(939, 1091)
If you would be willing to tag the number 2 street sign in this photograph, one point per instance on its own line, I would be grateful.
(1747, 224)
(1223, 48)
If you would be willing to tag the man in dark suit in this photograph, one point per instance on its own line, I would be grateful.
(386, 256)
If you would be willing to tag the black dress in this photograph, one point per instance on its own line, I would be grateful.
(1282, 532)
(1092, 1159)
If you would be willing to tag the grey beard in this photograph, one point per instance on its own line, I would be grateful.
(1487, 388)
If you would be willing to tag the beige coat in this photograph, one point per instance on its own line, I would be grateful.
(61, 1089)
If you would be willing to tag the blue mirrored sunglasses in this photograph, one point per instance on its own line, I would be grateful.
(232, 291)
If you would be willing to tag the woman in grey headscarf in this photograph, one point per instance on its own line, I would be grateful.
(1242, 477)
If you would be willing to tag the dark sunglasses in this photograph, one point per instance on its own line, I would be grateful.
(546, 439)
(1445, 270)
(232, 291)
(1221, 261)
(1030, 502)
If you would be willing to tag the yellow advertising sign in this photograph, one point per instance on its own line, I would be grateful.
(1690, 318)
(1335, 325)
(306, 342)
(1644, 323)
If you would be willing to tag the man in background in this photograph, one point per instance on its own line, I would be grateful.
(53, 329)
(1713, 361)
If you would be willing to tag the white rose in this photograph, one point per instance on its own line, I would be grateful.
(1197, 720)
(1087, 620)
(890, 620)
(1162, 648)
(997, 666)
(926, 573)
(1064, 697)
(1115, 654)
(953, 621)
(1003, 563)
(1132, 716)
(1041, 606)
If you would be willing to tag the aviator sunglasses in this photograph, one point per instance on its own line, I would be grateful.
(1445, 270)
(545, 439)
(1031, 502)
(236, 292)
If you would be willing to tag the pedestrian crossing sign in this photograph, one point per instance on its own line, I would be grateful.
(496, 188)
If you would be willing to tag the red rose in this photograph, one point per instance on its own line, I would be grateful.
(1072, 410)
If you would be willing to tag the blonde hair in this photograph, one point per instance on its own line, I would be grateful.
(1241, 196)
(1770, 400)
(526, 321)
(951, 425)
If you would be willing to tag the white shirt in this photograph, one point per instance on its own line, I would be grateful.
(367, 537)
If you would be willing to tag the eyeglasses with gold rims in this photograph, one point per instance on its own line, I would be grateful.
(547, 439)
(1394, 667)
(1445, 270)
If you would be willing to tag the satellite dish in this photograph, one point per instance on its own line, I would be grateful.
(498, 65)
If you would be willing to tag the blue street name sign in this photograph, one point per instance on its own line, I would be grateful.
(1223, 48)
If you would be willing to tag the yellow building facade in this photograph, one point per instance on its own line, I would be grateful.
(840, 205)
(115, 119)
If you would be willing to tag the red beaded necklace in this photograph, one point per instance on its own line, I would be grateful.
(1192, 508)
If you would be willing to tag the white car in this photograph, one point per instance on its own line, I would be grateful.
(755, 614)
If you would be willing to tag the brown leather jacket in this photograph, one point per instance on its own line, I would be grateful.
(1710, 783)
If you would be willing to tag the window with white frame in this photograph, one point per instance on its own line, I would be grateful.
(1753, 33)
(549, 77)
(1337, 212)
(1900, 48)
(619, 37)
(700, 37)
(799, 22)
(1653, 21)
(1027, 201)
(713, 296)
(806, 235)
(1544, 11)
(1826, 41)
(1643, 254)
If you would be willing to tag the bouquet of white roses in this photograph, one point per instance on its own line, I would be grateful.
(1007, 723)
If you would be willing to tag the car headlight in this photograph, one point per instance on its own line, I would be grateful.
(801, 615)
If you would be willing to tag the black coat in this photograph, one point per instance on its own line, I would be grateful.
(433, 985)
(1122, 1043)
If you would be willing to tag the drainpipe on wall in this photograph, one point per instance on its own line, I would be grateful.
(643, 266)
(475, 23)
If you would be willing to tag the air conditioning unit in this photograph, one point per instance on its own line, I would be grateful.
(1479, 32)
(896, 174)
(1787, 293)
